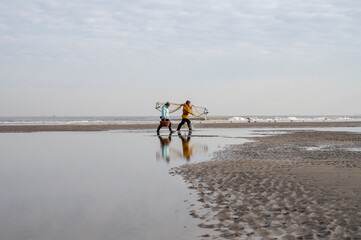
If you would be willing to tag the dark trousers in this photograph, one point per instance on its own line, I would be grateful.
(184, 120)
(170, 125)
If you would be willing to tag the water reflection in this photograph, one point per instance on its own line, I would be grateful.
(164, 146)
(187, 150)
(175, 151)
(95, 185)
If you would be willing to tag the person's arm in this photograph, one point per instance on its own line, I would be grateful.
(189, 110)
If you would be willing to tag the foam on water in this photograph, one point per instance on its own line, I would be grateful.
(294, 118)
(353, 149)
(101, 120)
(75, 120)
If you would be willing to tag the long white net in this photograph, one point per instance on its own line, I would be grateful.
(173, 107)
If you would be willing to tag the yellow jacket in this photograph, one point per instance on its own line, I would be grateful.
(186, 111)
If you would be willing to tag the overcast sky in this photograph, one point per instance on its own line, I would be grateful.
(94, 57)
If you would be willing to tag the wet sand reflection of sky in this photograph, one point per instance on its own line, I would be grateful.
(101, 185)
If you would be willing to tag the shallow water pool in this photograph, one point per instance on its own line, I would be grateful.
(101, 185)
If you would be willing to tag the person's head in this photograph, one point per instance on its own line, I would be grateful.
(188, 102)
(167, 104)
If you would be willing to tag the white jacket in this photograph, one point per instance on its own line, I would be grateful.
(165, 112)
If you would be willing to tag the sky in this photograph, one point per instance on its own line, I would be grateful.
(235, 57)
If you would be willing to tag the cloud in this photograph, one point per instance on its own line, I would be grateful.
(121, 44)
(189, 27)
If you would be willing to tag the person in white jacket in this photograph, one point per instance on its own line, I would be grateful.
(165, 117)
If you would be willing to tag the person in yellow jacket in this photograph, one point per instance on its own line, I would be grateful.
(185, 116)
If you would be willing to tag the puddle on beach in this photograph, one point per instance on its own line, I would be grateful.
(189, 147)
(353, 149)
(102, 185)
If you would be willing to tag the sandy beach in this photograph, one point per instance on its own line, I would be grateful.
(303, 184)
(107, 127)
(299, 184)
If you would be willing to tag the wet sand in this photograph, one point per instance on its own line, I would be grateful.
(80, 128)
(303, 184)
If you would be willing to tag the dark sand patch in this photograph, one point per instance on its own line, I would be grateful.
(107, 127)
(296, 185)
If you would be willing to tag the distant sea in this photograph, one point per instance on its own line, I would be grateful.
(91, 120)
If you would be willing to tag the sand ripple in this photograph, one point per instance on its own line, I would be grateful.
(276, 187)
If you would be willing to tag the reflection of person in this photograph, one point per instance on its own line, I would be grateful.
(187, 150)
(164, 145)
(165, 117)
(185, 116)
